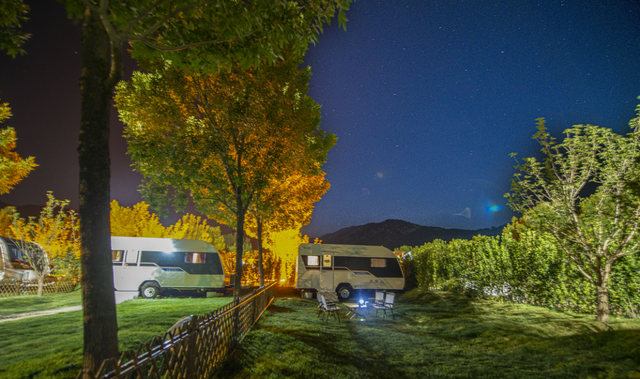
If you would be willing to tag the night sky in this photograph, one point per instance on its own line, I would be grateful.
(427, 98)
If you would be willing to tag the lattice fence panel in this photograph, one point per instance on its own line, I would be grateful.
(195, 349)
(13, 287)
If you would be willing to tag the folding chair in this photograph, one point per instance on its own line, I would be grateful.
(329, 308)
(387, 305)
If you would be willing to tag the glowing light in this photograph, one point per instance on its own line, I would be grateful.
(379, 175)
(495, 208)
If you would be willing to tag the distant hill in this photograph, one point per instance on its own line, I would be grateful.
(25, 211)
(395, 233)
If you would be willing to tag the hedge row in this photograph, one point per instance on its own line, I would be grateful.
(522, 265)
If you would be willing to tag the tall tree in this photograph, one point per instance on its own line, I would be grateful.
(12, 168)
(594, 231)
(221, 136)
(207, 34)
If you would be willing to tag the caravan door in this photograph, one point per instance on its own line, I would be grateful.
(326, 273)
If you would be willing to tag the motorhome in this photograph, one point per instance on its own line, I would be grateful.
(345, 268)
(13, 261)
(150, 265)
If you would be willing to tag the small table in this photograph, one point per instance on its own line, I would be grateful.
(356, 309)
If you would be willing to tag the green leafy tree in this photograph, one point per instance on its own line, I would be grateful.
(220, 137)
(211, 35)
(596, 231)
(12, 168)
(12, 14)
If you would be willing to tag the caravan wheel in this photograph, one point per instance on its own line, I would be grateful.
(344, 292)
(150, 290)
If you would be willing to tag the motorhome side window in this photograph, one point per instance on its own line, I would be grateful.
(116, 256)
(313, 260)
(195, 258)
(378, 262)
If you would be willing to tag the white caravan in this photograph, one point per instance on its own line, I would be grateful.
(345, 268)
(149, 265)
(13, 262)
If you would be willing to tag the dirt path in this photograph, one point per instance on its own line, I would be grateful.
(120, 297)
(20, 316)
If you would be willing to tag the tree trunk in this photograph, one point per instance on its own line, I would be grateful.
(602, 303)
(237, 285)
(40, 285)
(260, 264)
(98, 302)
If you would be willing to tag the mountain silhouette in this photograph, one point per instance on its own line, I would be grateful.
(395, 233)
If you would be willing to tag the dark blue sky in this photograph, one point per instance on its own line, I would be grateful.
(427, 98)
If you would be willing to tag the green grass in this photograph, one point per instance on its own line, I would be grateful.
(51, 346)
(437, 335)
(30, 303)
(434, 335)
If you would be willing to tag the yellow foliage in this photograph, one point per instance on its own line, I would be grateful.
(6, 217)
(56, 230)
(135, 222)
(192, 227)
(12, 167)
(284, 245)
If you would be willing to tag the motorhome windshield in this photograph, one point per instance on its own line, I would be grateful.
(15, 254)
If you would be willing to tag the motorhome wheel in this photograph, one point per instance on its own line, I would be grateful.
(149, 290)
(344, 292)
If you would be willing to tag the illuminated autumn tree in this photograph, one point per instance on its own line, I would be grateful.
(206, 34)
(194, 227)
(285, 204)
(220, 137)
(135, 222)
(12, 168)
(50, 241)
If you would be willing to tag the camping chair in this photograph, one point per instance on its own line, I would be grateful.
(388, 305)
(329, 307)
(379, 298)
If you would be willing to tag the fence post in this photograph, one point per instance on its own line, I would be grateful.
(57, 285)
(191, 346)
(18, 285)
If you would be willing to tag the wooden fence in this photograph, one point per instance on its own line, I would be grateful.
(13, 287)
(193, 350)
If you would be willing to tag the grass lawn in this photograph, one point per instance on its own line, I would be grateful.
(30, 303)
(434, 335)
(437, 335)
(51, 346)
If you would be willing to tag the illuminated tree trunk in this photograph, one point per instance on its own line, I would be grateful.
(99, 312)
(260, 264)
(237, 285)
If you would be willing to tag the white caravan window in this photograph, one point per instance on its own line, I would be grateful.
(117, 255)
(378, 262)
(313, 260)
(132, 257)
(195, 258)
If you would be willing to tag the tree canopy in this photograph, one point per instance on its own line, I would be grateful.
(220, 137)
(594, 231)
